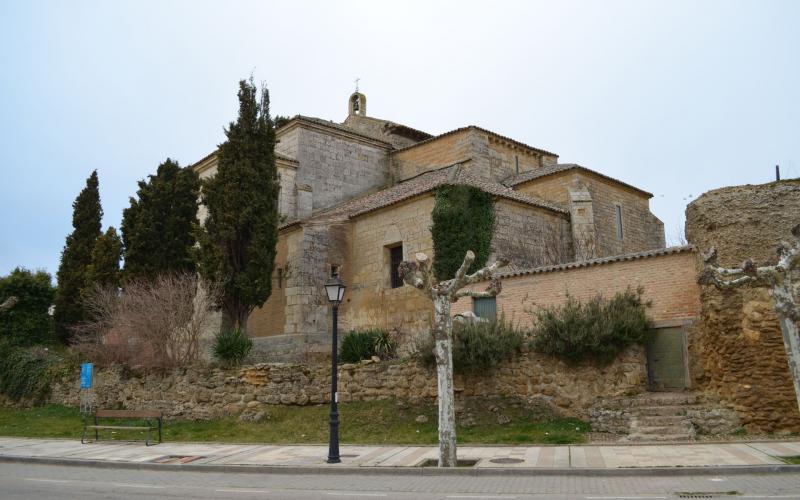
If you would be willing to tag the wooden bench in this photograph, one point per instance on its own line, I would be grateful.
(151, 418)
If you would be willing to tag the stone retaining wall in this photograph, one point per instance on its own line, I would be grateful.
(736, 348)
(205, 393)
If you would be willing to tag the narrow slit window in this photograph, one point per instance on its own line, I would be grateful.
(334, 271)
(395, 258)
(619, 222)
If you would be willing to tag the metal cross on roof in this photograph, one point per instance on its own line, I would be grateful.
(356, 80)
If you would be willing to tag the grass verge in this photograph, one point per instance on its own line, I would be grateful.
(374, 422)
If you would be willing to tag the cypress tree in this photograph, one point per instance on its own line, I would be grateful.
(76, 256)
(104, 269)
(158, 227)
(238, 237)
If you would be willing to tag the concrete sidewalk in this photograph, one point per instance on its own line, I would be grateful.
(543, 458)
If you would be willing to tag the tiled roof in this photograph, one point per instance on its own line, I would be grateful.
(485, 131)
(563, 167)
(425, 183)
(597, 262)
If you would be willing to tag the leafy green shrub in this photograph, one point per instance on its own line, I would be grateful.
(30, 372)
(231, 347)
(364, 344)
(27, 323)
(598, 329)
(385, 344)
(478, 346)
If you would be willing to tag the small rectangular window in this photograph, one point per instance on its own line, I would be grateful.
(334, 271)
(395, 258)
(485, 307)
(280, 277)
(619, 222)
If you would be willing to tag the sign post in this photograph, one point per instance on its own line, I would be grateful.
(87, 391)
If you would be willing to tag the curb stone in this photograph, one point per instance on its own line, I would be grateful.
(412, 471)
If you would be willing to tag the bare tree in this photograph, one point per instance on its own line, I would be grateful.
(419, 274)
(783, 281)
(151, 323)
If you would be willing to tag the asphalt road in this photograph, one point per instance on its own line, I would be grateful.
(34, 481)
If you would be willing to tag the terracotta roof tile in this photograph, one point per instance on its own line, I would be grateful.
(485, 131)
(425, 183)
(563, 167)
(597, 262)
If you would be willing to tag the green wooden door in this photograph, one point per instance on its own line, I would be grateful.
(666, 366)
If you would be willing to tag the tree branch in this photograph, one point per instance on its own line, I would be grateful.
(458, 281)
(486, 272)
(494, 288)
(8, 304)
(417, 274)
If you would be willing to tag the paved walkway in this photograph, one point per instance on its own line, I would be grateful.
(532, 457)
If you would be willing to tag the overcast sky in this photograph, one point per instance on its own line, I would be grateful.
(674, 97)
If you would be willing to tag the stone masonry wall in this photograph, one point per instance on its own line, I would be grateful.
(507, 159)
(431, 155)
(213, 393)
(737, 349)
(531, 237)
(371, 301)
(338, 168)
(641, 230)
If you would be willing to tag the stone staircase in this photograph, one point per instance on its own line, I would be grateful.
(662, 416)
(650, 416)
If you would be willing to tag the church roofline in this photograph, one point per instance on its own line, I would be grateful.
(420, 185)
(310, 120)
(658, 252)
(278, 158)
(564, 167)
(485, 131)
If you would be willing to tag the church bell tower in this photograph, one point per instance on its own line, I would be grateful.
(357, 104)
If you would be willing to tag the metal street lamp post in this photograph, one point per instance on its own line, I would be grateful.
(335, 290)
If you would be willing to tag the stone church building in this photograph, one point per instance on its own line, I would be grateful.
(357, 197)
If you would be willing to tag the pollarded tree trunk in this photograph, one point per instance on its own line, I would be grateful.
(784, 285)
(419, 274)
(443, 349)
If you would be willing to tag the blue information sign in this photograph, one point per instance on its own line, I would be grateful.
(86, 375)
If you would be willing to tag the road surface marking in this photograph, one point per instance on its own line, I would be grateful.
(135, 485)
(241, 491)
(50, 480)
(622, 498)
(335, 494)
(480, 496)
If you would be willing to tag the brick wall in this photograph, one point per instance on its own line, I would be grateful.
(668, 281)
